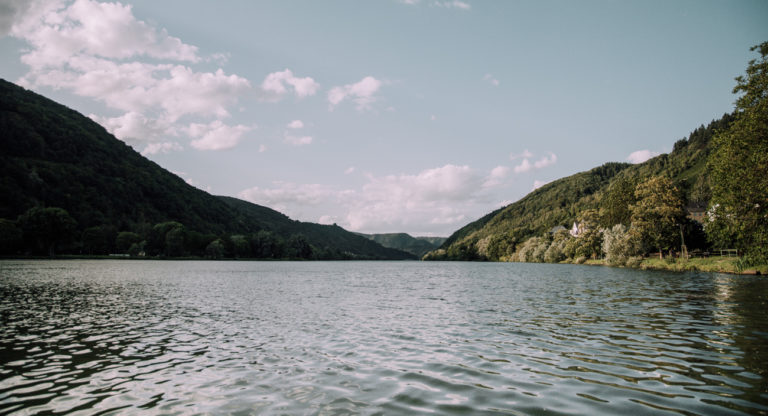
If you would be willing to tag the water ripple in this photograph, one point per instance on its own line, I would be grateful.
(192, 338)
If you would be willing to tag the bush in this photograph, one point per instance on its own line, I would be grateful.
(618, 245)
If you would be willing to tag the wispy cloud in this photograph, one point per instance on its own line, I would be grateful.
(363, 93)
(167, 147)
(641, 156)
(527, 166)
(298, 140)
(277, 84)
(491, 80)
(455, 4)
(295, 124)
(216, 135)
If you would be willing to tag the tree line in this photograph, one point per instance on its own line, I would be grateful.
(48, 231)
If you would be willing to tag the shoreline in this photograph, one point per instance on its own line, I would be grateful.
(715, 264)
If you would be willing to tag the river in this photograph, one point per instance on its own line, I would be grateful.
(197, 337)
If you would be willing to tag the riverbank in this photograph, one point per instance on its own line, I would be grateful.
(715, 264)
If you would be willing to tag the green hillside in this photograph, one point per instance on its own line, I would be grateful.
(52, 156)
(417, 246)
(498, 234)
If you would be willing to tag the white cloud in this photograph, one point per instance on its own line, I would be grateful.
(295, 124)
(101, 51)
(545, 161)
(433, 200)
(216, 135)
(108, 30)
(432, 117)
(497, 176)
(538, 184)
(349, 170)
(133, 127)
(167, 147)
(455, 4)
(524, 166)
(291, 198)
(641, 156)
(527, 166)
(491, 80)
(277, 84)
(262, 148)
(362, 93)
(298, 140)
(525, 154)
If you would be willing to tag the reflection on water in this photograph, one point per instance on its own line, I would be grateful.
(378, 338)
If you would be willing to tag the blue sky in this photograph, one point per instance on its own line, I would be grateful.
(385, 116)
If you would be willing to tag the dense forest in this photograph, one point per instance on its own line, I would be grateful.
(70, 187)
(710, 192)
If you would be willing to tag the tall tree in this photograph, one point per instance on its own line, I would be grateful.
(739, 165)
(615, 206)
(47, 227)
(657, 213)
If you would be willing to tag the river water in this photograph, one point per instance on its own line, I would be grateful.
(184, 338)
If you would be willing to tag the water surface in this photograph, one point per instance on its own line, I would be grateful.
(184, 338)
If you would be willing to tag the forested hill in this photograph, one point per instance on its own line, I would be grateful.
(607, 189)
(53, 156)
(417, 246)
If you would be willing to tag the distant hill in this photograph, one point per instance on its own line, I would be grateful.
(561, 201)
(417, 246)
(53, 156)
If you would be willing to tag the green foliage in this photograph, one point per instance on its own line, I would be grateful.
(739, 167)
(136, 249)
(240, 246)
(556, 251)
(98, 240)
(658, 213)
(47, 227)
(609, 188)
(10, 236)
(617, 200)
(618, 245)
(214, 250)
(125, 240)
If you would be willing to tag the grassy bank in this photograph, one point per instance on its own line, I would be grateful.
(715, 264)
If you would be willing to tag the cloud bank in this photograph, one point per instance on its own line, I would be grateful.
(101, 51)
(430, 201)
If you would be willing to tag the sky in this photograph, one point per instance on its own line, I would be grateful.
(414, 116)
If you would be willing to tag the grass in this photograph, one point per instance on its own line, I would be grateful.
(715, 264)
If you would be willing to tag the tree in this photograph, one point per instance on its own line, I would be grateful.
(618, 245)
(657, 213)
(10, 236)
(739, 165)
(125, 240)
(215, 250)
(47, 227)
(299, 247)
(98, 240)
(240, 246)
(615, 205)
(174, 242)
(158, 239)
